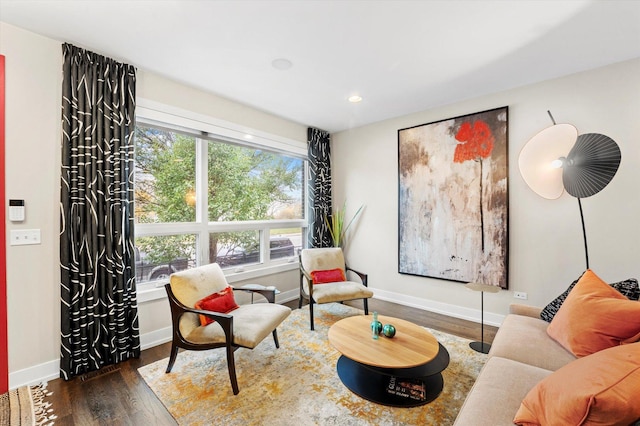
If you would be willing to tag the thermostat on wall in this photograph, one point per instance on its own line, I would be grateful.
(16, 210)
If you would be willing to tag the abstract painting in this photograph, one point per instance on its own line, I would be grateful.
(453, 202)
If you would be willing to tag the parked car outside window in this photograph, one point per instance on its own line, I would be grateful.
(146, 271)
(233, 256)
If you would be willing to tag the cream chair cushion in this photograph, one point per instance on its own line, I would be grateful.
(251, 323)
(336, 292)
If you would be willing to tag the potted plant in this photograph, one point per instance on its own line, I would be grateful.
(336, 225)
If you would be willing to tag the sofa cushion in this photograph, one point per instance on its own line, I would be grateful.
(498, 392)
(596, 389)
(628, 287)
(594, 317)
(525, 339)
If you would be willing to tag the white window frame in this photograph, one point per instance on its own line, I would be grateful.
(208, 128)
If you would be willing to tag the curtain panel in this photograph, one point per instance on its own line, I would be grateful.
(319, 187)
(99, 314)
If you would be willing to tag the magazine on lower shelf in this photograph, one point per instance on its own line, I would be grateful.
(407, 388)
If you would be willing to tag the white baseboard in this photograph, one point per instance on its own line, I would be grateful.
(33, 375)
(438, 307)
(51, 370)
(288, 296)
(155, 338)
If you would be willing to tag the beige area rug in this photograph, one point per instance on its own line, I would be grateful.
(298, 383)
(26, 406)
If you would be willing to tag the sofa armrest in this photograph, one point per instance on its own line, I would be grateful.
(525, 310)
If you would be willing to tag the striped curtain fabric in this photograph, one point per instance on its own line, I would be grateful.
(319, 187)
(99, 314)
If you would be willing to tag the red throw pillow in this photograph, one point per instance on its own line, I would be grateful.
(328, 276)
(222, 302)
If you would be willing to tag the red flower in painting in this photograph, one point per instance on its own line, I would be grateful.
(476, 142)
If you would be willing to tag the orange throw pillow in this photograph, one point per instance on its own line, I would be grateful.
(328, 276)
(598, 389)
(222, 302)
(594, 317)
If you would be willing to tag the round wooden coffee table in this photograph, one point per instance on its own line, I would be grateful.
(403, 371)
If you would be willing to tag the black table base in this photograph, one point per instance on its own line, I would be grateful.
(409, 387)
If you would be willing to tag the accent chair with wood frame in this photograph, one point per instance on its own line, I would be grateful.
(318, 262)
(244, 327)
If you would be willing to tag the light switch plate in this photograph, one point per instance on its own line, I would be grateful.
(23, 237)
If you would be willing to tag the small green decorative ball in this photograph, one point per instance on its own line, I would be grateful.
(376, 326)
(389, 330)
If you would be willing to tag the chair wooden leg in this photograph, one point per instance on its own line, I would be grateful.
(275, 338)
(366, 306)
(300, 302)
(172, 357)
(232, 370)
(311, 313)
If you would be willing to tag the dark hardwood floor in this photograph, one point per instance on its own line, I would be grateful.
(119, 396)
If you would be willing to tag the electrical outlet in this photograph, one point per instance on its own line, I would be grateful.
(520, 295)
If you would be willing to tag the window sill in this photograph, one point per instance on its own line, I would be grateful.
(156, 291)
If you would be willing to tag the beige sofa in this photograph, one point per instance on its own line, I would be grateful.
(521, 355)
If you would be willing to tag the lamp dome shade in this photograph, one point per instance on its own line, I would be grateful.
(591, 164)
(538, 155)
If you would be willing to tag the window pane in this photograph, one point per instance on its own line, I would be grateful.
(232, 249)
(159, 257)
(251, 184)
(164, 176)
(285, 243)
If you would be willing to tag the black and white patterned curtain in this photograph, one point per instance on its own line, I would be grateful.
(99, 314)
(319, 185)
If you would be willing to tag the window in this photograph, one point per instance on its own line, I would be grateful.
(202, 198)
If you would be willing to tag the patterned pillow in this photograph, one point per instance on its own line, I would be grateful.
(552, 308)
(628, 288)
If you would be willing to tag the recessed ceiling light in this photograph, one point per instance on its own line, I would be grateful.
(282, 64)
(355, 99)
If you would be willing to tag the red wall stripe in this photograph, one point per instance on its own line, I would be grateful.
(4, 350)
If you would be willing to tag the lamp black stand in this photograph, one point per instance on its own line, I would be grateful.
(584, 234)
(588, 168)
(481, 346)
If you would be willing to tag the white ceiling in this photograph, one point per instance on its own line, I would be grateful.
(400, 56)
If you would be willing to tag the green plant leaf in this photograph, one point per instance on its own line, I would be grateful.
(336, 224)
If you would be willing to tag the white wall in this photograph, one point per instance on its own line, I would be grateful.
(33, 135)
(546, 250)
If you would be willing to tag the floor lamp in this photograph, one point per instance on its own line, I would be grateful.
(557, 159)
(481, 346)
